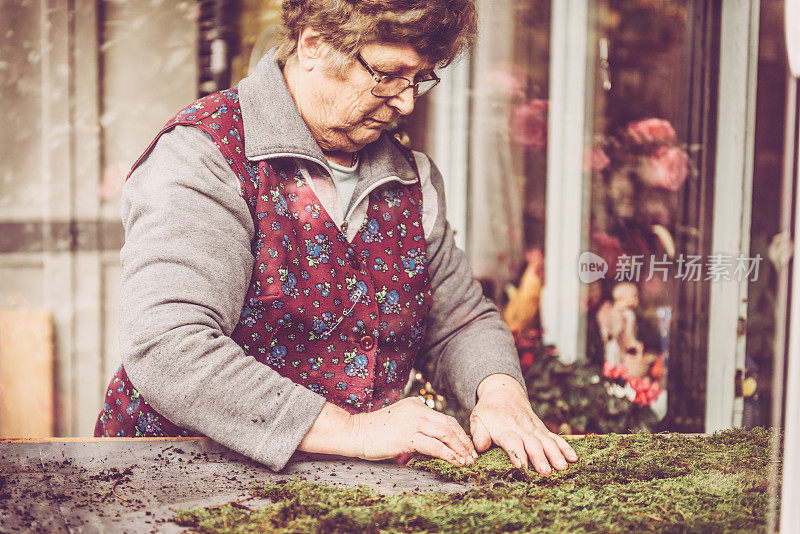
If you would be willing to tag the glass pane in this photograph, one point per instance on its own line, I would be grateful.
(641, 164)
(648, 174)
(769, 230)
(509, 148)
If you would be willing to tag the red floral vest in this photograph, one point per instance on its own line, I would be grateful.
(344, 319)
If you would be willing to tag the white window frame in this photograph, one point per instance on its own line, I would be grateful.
(790, 515)
(790, 487)
(733, 196)
(567, 202)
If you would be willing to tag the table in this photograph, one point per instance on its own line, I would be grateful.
(135, 485)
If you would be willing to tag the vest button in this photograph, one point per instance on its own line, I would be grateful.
(367, 343)
(354, 263)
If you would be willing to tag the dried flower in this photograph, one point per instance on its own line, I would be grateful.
(667, 168)
(652, 130)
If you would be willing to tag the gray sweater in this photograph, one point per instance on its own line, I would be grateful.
(187, 263)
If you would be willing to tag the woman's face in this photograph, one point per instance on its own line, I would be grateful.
(347, 116)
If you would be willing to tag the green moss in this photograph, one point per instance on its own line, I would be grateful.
(493, 464)
(621, 459)
(643, 482)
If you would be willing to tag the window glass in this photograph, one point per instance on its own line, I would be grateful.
(640, 166)
(649, 190)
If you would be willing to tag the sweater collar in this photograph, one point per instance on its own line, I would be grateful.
(273, 127)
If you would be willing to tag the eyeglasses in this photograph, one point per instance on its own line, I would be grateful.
(387, 86)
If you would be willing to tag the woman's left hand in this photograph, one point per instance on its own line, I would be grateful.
(504, 415)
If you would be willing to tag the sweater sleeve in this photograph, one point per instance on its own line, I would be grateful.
(186, 267)
(466, 339)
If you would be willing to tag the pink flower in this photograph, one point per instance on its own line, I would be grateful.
(646, 390)
(526, 360)
(528, 124)
(667, 168)
(614, 372)
(594, 159)
(652, 131)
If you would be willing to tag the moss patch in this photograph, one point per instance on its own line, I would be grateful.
(661, 483)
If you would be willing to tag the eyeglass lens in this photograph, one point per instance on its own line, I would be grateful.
(392, 85)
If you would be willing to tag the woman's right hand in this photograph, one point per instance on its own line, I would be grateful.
(409, 426)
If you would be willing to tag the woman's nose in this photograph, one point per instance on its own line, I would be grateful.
(403, 102)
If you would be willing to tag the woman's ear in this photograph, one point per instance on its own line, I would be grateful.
(311, 49)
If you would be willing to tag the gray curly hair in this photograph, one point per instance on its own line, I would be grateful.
(437, 29)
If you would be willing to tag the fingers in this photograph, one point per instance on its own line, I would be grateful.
(568, 452)
(534, 449)
(515, 448)
(540, 448)
(455, 431)
(434, 447)
(510, 422)
(448, 435)
(544, 449)
(551, 449)
(480, 435)
(429, 432)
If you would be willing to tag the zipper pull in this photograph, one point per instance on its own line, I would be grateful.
(344, 227)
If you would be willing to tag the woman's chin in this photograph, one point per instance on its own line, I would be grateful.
(365, 136)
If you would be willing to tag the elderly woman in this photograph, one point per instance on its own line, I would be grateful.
(287, 263)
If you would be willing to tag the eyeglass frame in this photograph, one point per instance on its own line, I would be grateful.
(378, 77)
